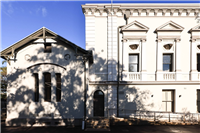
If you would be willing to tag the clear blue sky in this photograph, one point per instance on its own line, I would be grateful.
(21, 18)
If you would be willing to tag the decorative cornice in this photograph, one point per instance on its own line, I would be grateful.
(139, 8)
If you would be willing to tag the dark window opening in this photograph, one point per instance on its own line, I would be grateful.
(198, 62)
(133, 63)
(36, 87)
(198, 101)
(47, 47)
(58, 87)
(167, 62)
(47, 86)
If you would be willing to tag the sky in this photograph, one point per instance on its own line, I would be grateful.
(21, 18)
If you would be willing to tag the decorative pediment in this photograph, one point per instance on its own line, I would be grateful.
(196, 28)
(42, 35)
(170, 26)
(135, 26)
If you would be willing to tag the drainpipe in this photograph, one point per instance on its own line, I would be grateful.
(127, 14)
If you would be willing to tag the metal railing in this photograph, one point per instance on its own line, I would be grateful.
(155, 115)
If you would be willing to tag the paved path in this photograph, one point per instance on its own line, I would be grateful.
(113, 129)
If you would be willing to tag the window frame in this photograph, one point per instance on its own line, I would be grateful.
(47, 50)
(172, 101)
(171, 61)
(198, 62)
(36, 90)
(198, 100)
(47, 89)
(138, 63)
(58, 87)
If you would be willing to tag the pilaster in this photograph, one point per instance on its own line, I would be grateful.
(143, 60)
(90, 41)
(193, 59)
(159, 67)
(112, 47)
(178, 61)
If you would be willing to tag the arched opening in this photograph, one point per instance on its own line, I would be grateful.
(98, 103)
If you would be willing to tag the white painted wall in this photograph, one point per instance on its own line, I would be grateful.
(20, 91)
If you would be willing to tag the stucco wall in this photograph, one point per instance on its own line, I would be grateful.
(21, 83)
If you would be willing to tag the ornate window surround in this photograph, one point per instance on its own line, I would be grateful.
(165, 36)
(134, 33)
(195, 41)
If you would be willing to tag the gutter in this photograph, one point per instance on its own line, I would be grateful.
(118, 73)
(127, 14)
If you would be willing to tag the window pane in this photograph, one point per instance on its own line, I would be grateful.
(166, 67)
(163, 106)
(198, 95)
(169, 106)
(163, 96)
(198, 106)
(198, 62)
(47, 82)
(58, 87)
(169, 95)
(166, 59)
(133, 68)
(47, 47)
(36, 87)
(133, 59)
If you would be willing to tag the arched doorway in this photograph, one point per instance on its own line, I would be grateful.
(98, 103)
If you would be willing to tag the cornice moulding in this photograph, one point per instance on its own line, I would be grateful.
(140, 7)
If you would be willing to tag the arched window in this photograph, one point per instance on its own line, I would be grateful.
(98, 103)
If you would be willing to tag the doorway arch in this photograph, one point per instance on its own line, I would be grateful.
(98, 102)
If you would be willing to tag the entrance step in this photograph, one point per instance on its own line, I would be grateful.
(97, 124)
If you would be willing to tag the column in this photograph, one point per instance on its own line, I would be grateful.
(159, 63)
(178, 60)
(193, 60)
(143, 61)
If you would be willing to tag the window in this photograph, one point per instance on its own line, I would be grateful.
(167, 62)
(47, 47)
(198, 101)
(58, 87)
(168, 101)
(47, 86)
(198, 62)
(133, 63)
(36, 87)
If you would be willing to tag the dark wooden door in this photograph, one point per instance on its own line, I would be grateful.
(98, 103)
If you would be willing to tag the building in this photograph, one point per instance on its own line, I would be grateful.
(138, 57)
(46, 80)
(146, 57)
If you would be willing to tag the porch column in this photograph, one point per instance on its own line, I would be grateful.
(159, 63)
(193, 60)
(143, 61)
(178, 60)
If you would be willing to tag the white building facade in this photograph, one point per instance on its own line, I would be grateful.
(138, 57)
(146, 57)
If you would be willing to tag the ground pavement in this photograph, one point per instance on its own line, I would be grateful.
(113, 129)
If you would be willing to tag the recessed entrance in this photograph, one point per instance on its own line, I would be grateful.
(98, 103)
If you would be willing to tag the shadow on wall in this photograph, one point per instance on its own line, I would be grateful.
(131, 98)
(21, 106)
